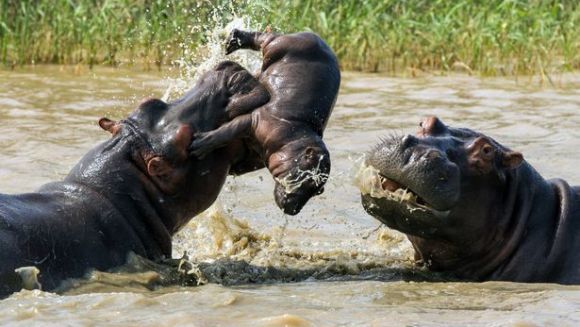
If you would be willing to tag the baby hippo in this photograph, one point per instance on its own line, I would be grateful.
(301, 73)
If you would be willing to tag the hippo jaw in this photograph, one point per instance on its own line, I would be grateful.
(291, 194)
(374, 185)
(300, 169)
(397, 206)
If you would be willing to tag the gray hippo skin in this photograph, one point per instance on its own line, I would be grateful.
(130, 193)
(302, 76)
(475, 208)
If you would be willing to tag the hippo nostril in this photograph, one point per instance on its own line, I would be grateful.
(409, 141)
(431, 126)
(433, 154)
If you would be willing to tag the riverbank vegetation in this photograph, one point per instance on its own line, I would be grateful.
(490, 37)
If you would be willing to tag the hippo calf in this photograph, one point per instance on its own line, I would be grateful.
(130, 193)
(301, 74)
(473, 207)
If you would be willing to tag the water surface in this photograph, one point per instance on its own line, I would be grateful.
(346, 271)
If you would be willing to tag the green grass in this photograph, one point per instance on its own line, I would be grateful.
(488, 36)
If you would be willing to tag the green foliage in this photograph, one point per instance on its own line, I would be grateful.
(492, 36)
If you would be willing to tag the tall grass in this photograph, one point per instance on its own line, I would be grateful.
(488, 36)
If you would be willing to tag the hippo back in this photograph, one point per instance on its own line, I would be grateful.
(303, 77)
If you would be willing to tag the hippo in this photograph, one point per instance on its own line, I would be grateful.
(474, 208)
(301, 74)
(131, 193)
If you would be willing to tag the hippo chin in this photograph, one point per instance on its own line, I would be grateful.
(130, 193)
(472, 207)
(301, 73)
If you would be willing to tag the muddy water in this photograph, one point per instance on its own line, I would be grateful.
(328, 266)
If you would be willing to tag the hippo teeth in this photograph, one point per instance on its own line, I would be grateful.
(404, 193)
(389, 185)
(370, 181)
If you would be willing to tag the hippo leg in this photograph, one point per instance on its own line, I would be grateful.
(247, 94)
(244, 103)
(247, 40)
(204, 143)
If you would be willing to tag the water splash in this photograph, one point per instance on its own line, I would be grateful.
(227, 243)
(194, 64)
(292, 183)
(217, 234)
(368, 180)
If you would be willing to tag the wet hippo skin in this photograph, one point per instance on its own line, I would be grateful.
(130, 193)
(302, 76)
(474, 207)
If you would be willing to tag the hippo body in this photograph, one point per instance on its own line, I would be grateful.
(66, 227)
(132, 192)
(301, 74)
(472, 207)
(548, 247)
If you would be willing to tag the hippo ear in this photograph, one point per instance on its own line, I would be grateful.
(111, 126)
(512, 159)
(158, 167)
(164, 175)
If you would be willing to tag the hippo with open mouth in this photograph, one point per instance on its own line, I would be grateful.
(302, 76)
(473, 207)
(132, 192)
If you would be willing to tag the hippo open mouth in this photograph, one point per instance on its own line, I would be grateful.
(382, 191)
(404, 192)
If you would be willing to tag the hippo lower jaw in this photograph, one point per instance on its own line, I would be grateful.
(398, 210)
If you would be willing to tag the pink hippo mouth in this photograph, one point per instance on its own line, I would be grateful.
(393, 187)
(402, 195)
(388, 193)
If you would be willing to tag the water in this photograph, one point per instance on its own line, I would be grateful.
(328, 266)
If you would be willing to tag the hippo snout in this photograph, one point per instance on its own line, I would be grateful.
(419, 166)
(290, 203)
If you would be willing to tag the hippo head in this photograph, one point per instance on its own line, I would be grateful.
(443, 183)
(160, 147)
(301, 169)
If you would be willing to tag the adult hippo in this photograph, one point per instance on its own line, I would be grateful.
(301, 73)
(473, 207)
(130, 193)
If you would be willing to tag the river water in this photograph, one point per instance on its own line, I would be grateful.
(330, 265)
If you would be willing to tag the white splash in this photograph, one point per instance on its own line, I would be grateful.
(292, 183)
(194, 64)
(369, 181)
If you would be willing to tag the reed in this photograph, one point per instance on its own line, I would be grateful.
(486, 36)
